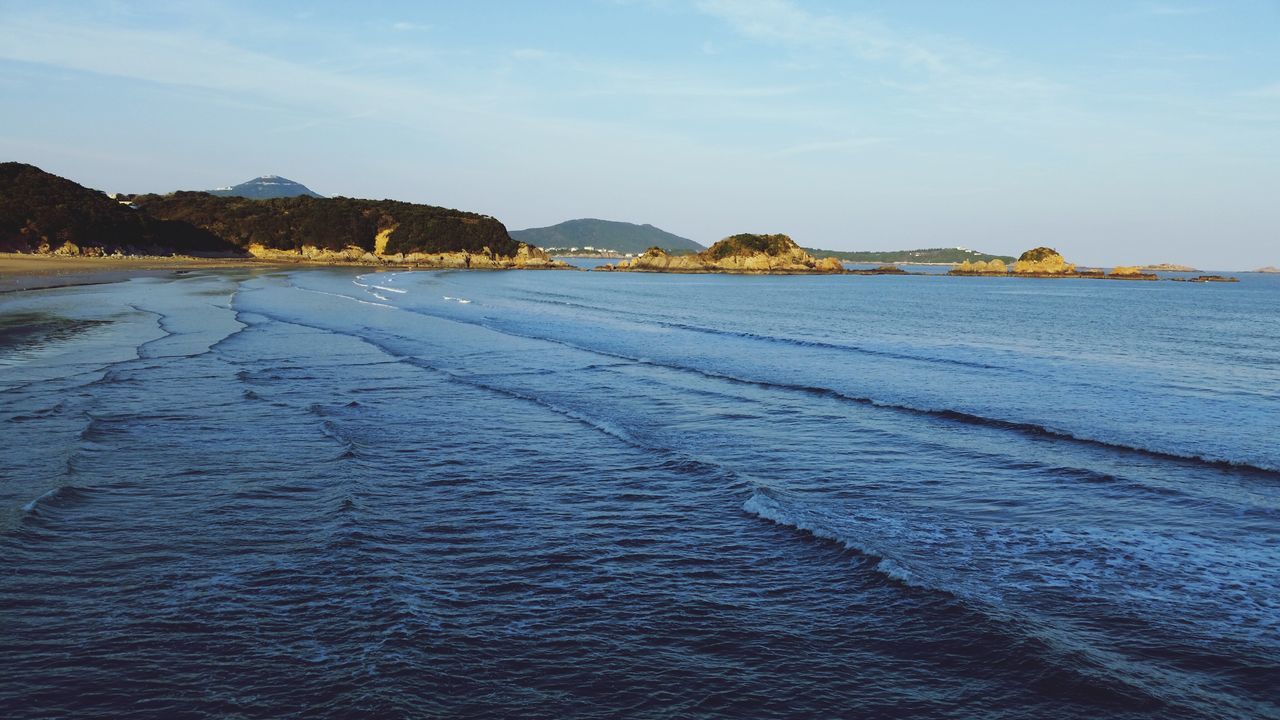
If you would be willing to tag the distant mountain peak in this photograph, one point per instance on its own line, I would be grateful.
(596, 235)
(266, 186)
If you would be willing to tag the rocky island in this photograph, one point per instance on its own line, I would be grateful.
(1045, 262)
(741, 254)
(1207, 279)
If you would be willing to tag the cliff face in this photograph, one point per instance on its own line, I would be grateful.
(745, 254)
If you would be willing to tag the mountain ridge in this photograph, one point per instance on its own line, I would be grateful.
(43, 213)
(604, 235)
(941, 256)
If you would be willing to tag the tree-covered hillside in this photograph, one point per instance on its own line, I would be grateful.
(333, 223)
(40, 211)
(926, 255)
(621, 237)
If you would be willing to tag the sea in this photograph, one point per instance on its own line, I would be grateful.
(336, 493)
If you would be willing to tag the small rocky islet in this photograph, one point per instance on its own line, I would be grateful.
(1045, 262)
(746, 254)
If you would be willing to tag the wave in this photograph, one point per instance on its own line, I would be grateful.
(345, 297)
(765, 505)
(1083, 593)
(56, 498)
(783, 340)
(944, 414)
(1021, 427)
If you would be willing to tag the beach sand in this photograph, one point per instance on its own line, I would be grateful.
(34, 272)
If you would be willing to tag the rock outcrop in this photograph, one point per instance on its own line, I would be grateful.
(1268, 269)
(1168, 267)
(1207, 279)
(988, 267)
(525, 258)
(882, 270)
(1043, 261)
(1130, 272)
(746, 254)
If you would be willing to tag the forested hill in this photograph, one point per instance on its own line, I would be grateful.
(603, 235)
(926, 255)
(333, 223)
(41, 212)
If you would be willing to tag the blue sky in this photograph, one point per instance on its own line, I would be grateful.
(1118, 132)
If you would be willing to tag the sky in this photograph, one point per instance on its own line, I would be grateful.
(1118, 132)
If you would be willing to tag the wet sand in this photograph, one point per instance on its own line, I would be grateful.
(34, 272)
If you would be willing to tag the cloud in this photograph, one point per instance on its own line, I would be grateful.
(406, 26)
(530, 54)
(1153, 8)
(830, 146)
(928, 65)
(1269, 91)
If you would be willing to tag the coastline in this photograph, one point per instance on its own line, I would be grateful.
(31, 271)
(21, 271)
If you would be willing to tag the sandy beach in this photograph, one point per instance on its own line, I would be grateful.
(33, 272)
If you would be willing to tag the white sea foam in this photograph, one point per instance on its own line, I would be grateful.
(347, 297)
(31, 506)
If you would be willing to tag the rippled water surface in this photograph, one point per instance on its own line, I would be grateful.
(330, 493)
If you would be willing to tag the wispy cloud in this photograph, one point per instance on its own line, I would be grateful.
(943, 67)
(407, 26)
(830, 146)
(1268, 91)
(1155, 8)
(529, 54)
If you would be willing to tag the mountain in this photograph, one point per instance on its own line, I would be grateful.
(926, 255)
(265, 187)
(41, 212)
(604, 235)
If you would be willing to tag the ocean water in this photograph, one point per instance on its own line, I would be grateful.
(335, 493)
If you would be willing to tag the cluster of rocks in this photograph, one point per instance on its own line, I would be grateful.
(740, 254)
(526, 258)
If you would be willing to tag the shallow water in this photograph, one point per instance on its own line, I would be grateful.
(332, 493)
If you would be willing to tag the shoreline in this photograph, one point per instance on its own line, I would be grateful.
(38, 271)
(23, 271)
